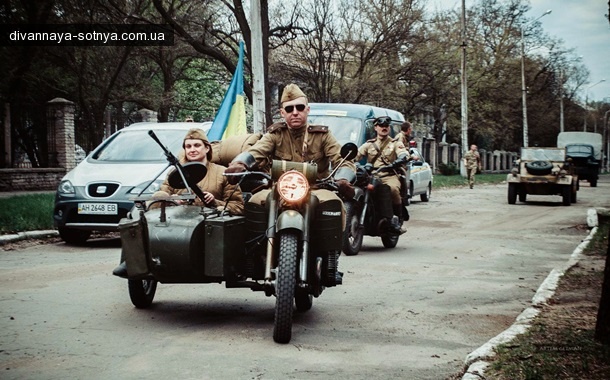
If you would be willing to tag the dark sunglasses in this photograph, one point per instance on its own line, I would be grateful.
(300, 108)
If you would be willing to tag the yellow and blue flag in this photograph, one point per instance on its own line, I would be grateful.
(230, 120)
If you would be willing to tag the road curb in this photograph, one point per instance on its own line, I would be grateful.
(10, 238)
(478, 360)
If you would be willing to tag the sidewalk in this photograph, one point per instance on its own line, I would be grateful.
(11, 238)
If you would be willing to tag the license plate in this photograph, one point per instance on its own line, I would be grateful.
(98, 208)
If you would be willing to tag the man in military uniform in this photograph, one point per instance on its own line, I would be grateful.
(296, 140)
(382, 151)
(472, 162)
(404, 135)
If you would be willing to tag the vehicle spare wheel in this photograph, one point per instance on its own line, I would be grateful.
(539, 167)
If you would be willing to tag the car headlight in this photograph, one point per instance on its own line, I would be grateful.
(66, 188)
(149, 188)
(292, 186)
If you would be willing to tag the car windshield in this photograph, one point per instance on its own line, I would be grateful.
(137, 145)
(538, 154)
(345, 129)
(580, 149)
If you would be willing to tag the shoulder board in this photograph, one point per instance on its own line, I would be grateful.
(398, 137)
(317, 128)
(372, 140)
(276, 127)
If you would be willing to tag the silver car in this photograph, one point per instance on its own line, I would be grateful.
(420, 177)
(97, 193)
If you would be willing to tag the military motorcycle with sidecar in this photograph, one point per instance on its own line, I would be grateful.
(269, 249)
(370, 213)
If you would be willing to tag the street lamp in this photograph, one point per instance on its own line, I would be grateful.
(523, 87)
(587, 101)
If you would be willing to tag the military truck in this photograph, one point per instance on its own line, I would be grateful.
(585, 151)
(542, 171)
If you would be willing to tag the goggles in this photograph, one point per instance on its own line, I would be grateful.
(299, 107)
(382, 121)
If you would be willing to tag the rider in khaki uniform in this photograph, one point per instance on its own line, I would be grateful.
(382, 151)
(296, 140)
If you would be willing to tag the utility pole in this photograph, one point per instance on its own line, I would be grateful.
(258, 73)
(561, 121)
(464, 91)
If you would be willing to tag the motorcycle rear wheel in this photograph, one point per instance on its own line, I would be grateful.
(389, 240)
(353, 234)
(284, 287)
(303, 301)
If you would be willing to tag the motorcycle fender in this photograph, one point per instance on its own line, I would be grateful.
(290, 219)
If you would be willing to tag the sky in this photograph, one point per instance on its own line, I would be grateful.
(581, 24)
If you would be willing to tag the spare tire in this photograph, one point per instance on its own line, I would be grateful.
(539, 167)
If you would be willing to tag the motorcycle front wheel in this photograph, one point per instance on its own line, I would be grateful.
(284, 287)
(353, 234)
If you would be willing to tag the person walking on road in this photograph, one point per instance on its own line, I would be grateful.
(472, 163)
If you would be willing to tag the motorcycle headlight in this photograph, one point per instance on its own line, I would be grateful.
(66, 188)
(151, 189)
(292, 186)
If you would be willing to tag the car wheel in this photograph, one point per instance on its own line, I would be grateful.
(593, 182)
(566, 194)
(74, 236)
(539, 167)
(425, 197)
(522, 196)
(512, 193)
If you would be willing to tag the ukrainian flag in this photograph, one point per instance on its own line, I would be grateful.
(230, 120)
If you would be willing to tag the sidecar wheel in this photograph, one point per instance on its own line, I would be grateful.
(284, 287)
(353, 234)
(142, 292)
(389, 241)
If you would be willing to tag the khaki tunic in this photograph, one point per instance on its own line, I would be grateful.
(472, 159)
(216, 183)
(392, 150)
(402, 138)
(283, 143)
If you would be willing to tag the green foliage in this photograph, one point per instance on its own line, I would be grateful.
(448, 169)
(26, 213)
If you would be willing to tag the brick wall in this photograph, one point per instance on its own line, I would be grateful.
(30, 179)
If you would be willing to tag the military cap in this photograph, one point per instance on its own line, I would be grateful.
(291, 92)
(198, 134)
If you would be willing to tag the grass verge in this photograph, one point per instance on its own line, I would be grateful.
(444, 181)
(26, 213)
(560, 343)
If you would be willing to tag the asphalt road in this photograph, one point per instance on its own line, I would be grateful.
(466, 268)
